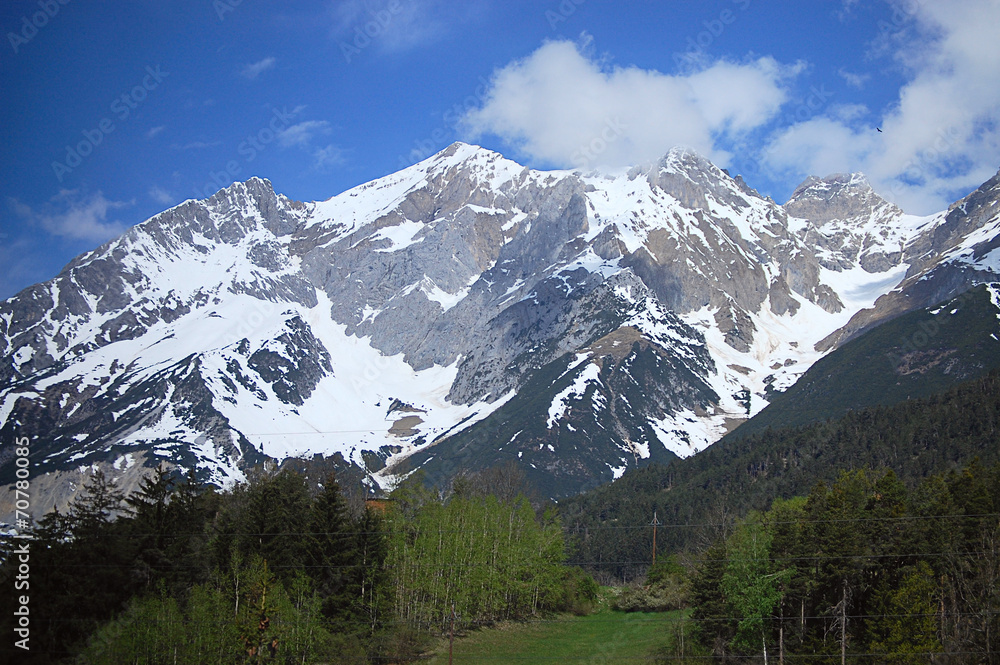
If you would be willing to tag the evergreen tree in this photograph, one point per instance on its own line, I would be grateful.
(905, 623)
(370, 577)
(267, 516)
(711, 613)
(333, 556)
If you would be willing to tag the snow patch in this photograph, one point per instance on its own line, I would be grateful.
(560, 403)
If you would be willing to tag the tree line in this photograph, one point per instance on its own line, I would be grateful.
(273, 571)
(898, 563)
(861, 571)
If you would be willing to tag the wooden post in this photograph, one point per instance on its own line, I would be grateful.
(656, 523)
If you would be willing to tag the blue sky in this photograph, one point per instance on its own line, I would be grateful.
(114, 111)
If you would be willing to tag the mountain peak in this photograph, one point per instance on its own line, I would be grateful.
(840, 196)
(685, 158)
(612, 317)
(460, 152)
(848, 222)
(831, 186)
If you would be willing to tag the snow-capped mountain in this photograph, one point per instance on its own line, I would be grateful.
(461, 312)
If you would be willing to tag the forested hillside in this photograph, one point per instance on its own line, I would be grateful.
(609, 527)
(863, 569)
(876, 533)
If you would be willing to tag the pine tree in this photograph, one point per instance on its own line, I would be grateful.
(333, 557)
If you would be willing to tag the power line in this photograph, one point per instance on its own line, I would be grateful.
(512, 562)
(573, 529)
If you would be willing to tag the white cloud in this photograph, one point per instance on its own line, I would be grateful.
(160, 195)
(561, 107)
(255, 69)
(330, 156)
(72, 215)
(941, 137)
(153, 132)
(301, 134)
(819, 146)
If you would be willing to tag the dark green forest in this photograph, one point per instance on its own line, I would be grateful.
(860, 571)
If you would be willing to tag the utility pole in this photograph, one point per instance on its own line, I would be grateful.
(655, 523)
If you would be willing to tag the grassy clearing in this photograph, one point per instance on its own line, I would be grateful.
(603, 637)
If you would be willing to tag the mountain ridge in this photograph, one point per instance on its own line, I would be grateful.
(249, 326)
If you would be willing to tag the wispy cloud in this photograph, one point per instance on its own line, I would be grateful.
(153, 132)
(399, 25)
(302, 134)
(329, 157)
(70, 214)
(160, 195)
(846, 9)
(255, 69)
(854, 80)
(196, 145)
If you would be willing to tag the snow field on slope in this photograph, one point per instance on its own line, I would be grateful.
(348, 411)
(783, 345)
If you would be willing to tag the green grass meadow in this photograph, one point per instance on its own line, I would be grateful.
(603, 637)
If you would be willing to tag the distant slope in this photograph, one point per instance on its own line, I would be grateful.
(690, 496)
(916, 355)
(584, 418)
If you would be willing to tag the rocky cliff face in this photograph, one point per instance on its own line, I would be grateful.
(462, 312)
(848, 223)
(944, 255)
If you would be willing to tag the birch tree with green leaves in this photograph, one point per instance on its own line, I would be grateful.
(488, 559)
(751, 584)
